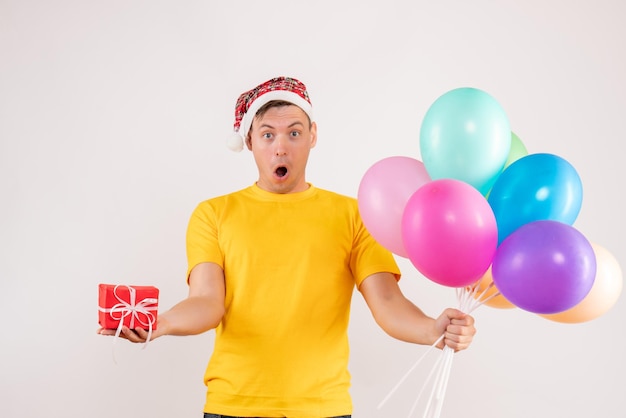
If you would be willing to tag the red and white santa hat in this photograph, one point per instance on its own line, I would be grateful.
(280, 88)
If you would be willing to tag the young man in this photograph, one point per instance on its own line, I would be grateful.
(272, 268)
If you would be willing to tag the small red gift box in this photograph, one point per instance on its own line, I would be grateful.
(133, 306)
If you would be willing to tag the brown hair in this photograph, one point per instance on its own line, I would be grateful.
(267, 106)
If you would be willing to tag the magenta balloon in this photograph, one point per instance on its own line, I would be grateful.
(449, 232)
(544, 267)
(383, 192)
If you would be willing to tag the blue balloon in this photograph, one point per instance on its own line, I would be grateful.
(535, 187)
(465, 135)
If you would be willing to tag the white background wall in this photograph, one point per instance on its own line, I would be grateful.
(113, 119)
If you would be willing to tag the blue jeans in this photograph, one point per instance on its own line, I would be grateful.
(206, 415)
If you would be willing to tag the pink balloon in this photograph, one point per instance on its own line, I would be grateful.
(449, 232)
(383, 192)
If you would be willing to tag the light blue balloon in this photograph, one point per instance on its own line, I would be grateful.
(533, 188)
(465, 135)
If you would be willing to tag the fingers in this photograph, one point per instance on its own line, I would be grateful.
(457, 345)
(137, 335)
(104, 331)
(460, 331)
(453, 314)
(142, 334)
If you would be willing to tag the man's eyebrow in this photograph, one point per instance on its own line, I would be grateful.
(266, 125)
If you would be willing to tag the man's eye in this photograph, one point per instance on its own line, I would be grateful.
(295, 133)
(267, 135)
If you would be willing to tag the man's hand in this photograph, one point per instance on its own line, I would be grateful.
(137, 335)
(457, 327)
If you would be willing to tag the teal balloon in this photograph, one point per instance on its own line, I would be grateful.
(465, 135)
(533, 188)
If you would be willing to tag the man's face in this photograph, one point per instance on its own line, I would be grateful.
(280, 141)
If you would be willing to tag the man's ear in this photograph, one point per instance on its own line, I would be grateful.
(313, 134)
(249, 142)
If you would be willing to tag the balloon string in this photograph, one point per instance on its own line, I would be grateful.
(482, 302)
(382, 403)
(441, 384)
(467, 302)
(430, 375)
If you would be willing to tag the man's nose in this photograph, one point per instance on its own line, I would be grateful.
(280, 145)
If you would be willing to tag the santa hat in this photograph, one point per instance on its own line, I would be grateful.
(280, 88)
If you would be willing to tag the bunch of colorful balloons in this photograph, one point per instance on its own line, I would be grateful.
(479, 211)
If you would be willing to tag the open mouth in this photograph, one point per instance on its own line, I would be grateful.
(281, 171)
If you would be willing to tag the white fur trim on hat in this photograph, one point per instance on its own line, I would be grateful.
(235, 142)
(284, 95)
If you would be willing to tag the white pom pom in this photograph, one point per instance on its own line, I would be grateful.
(235, 142)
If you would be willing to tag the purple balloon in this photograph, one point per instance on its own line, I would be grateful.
(544, 267)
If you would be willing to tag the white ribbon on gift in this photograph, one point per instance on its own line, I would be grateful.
(133, 308)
